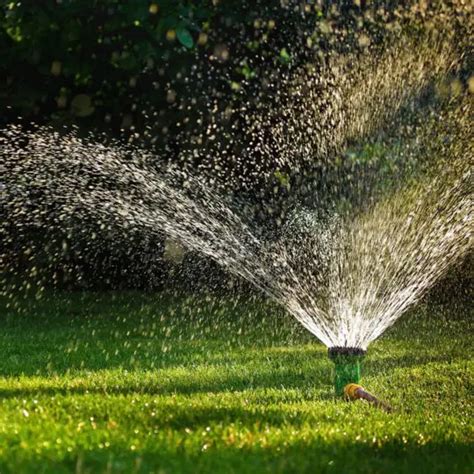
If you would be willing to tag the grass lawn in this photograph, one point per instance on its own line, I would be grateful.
(133, 383)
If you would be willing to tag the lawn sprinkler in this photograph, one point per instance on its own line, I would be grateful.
(347, 367)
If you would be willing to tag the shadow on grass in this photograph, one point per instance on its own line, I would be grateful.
(187, 383)
(386, 365)
(315, 456)
(290, 367)
(311, 383)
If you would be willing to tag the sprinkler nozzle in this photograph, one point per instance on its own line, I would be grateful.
(347, 365)
(353, 391)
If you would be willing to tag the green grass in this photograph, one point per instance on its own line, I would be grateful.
(131, 383)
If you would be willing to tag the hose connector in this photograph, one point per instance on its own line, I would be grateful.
(353, 391)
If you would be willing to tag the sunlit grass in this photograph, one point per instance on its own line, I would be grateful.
(133, 383)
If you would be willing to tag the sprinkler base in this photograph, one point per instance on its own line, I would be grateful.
(347, 366)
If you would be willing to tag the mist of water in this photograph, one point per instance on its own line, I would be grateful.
(346, 269)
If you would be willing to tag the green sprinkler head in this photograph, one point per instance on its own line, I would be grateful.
(347, 364)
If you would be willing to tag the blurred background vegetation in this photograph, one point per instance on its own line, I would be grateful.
(123, 69)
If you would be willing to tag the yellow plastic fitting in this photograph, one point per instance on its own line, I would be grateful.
(350, 391)
(353, 391)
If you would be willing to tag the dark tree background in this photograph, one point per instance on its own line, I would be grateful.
(122, 66)
(128, 69)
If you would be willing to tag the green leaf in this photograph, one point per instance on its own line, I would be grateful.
(184, 37)
(284, 56)
(81, 105)
(283, 178)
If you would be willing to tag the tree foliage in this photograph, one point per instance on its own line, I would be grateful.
(116, 65)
